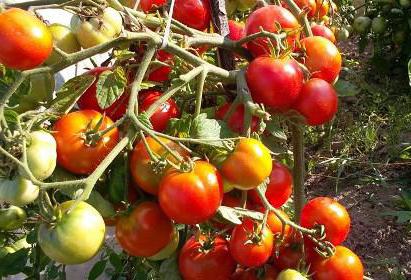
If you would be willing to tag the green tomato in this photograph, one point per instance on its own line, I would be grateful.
(399, 37)
(12, 218)
(245, 5)
(405, 3)
(97, 30)
(41, 154)
(167, 251)
(342, 34)
(76, 236)
(18, 192)
(64, 39)
(291, 274)
(379, 25)
(362, 24)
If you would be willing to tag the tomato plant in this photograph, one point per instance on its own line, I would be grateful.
(236, 120)
(149, 5)
(276, 226)
(12, 218)
(193, 13)
(64, 39)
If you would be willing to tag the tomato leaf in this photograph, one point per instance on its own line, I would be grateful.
(276, 130)
(69, 93)
(204, 128)
(11, 116)
(233, 215)
(117, 180)
(115, 261)
(97, 270)
(122, 55)
(110, 86)
(403, 217)
(346, 88)
(13, 263)
(169, 269)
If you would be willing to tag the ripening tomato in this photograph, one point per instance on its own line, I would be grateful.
(279, 189)
(322, 7)
(323, 31)
(322, 58)
(205, 259)
(251, 245)
(236, 120)
(240, 166)
(306, 5)
(169, 249)
(88, 101)
(276, 226)
(74, 151)
(140, 167)
(166, 111)
(274, 82)
(193, 13)
(149, 5)
(268, 18)
(318, 102)
(290, 255)
(162, 73)
(191, 197)
(344, 265)
(25, 40)
(145, 231)
(237, 30)
(328, 212)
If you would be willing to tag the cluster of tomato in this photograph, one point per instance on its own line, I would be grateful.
(282, 82)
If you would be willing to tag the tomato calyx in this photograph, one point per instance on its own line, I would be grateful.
(256, 235)
(93, 134)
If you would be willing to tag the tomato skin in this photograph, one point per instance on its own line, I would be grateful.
(276, 226)
(291, 274)
(77, 235)
(344, 265)
(149, 5)
(145, 231)
(72, 152)
(163, 114)
(328, 212)
(268, 18)
(140, 167)
(12, 218)
(323, 31)
(237, 30)
(88, 101)
(162, 73)
(214, 263)
(236, 120)
(19, 32)
(309, 5)
(18, 192)
(318, 102)
(64, 39)
(169, 249)
(239, 167)
(250, 254)
(322, 58)
(322, 8)
(193, 13)
(274, 82)
(192, 197)
(290, 256)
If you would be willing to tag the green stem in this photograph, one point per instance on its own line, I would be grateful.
(199, 93)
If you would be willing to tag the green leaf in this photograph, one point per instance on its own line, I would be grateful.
(275, 130)
(144, 119)
(115, 261)
(69, 93)
(206, 129)
(122, 55)
(110, 86)
(11, 116)
(403, 217)
(409, 70)
(97, 270)
(117, 180)
(32, 236)
(13, 263)
(148, 85)
(345, 88)
(233, 215)
(169, 269)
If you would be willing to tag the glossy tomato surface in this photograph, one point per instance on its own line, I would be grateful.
(237, 30)
(276, 226)
(149, 5)
(193, 13)
(236, 120)
(161, 74)
(323, 31)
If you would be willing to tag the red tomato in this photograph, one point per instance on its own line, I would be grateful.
(279, 188)
(268, 18)
(206, 259)
(244, 274)
(344, 265)
(237, 30)
(140, 167)
(88, 100)
(193, 13)
(271, 273)
(231, 199)
(276, 226)
(145, 231)
(162, 73)
(290, 256)
(323, 31)
(322, 8)
(322, 58)
(191, 197)
(25, 40)
(274, 82)
(149, 5)
(73, 153)
(236, 120)
(252, 254)
(163, 114)
(306, 5)
(328, 212)
(318, 102)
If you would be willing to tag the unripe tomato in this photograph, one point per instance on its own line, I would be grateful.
(399, 37)
(12, 218)
(64, 39)
(318, 102)
(236, 120)
(362, 24)
(379, 25)
(191, 197)
(342, 34)
(291, 274)
(149, 5)
(166, 111)
(206, 259)
(169, 249)
(193, 13)
(274, 82)
(322, 58)
(76, 154)
(343, 265)
(140, 167)
(329, 213)
(76, 236)
(25, 40)
(323, 31)
(18, 192)
(322, 7)
(97, 30)
(250, 248)
(145, 231)
(268, 18)
(41, 154)
(240, 166)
